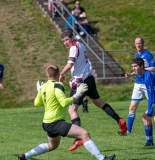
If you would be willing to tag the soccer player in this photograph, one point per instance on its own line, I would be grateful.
(139, 89)
(1, 76)
(149, 81)
(52, 95)
(80, 66)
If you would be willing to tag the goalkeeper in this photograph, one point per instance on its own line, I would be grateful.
(52, 95)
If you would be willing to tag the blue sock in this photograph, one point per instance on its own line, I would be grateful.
(149, 134)
(131, 118)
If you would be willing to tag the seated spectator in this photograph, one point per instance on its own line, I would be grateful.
(73, 20)
(80, 9)
(85, 24)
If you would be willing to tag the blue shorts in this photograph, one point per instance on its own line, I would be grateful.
(92, 92)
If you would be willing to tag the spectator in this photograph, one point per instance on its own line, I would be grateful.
(85, 24)
(1, 76)
(73, 20)
(80, 9)
(57, 3)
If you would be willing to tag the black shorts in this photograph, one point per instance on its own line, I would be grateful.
(92, 92)
(58, 128)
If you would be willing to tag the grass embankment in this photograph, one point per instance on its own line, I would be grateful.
(29, 43)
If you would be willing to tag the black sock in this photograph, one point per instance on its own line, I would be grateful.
(107, 108)
(76, 121)
(84, 104)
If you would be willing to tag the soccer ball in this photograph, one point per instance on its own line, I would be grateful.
(75, 81)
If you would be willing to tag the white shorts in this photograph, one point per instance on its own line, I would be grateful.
(139, 91)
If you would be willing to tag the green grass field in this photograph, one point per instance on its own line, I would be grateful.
(21, 130)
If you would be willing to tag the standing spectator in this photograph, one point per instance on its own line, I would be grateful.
(79, 8)
(1, 76)
(80, 66)
(139, 89)
(149, 82)
(52, 95)
(56, 3)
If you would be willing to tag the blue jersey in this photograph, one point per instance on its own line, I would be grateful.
(1, 70)
(148, 62)
(149, 81)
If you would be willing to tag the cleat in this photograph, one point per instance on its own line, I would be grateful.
(123, 127)
(110, 158)
(76, 144)
(21, 157)
(84, 110)
(149, 145)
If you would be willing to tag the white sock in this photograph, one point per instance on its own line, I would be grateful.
(40, 149)
(92, 148)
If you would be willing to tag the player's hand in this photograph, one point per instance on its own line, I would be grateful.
(62, 78)
(39, 85)
(127, 75)
(80, 90)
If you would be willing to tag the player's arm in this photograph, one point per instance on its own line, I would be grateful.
(61, 96)
(38, 100)
(127, 75)
(152, 69)
(150, 91)
(65, 70)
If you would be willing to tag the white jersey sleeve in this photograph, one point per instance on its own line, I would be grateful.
(82, 66)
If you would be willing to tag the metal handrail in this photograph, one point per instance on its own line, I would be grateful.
(86, 43)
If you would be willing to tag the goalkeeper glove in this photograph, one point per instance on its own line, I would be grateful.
(80, 90)
(39, 85)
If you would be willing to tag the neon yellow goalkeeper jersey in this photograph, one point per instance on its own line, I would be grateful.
(52, 96)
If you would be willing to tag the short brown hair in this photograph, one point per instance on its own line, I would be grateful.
(138, 61)
(66, 33)
(52, 71)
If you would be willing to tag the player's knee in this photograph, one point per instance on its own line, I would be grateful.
(146, 120)
(133, 108)
(85, 135)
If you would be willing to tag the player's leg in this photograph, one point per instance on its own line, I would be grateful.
(93, 94)
(148, 128)
(52, 144)
(85, 105)
(138, 93)
(73, 112)
(132, 115)
(80, 133)
(109, 110)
